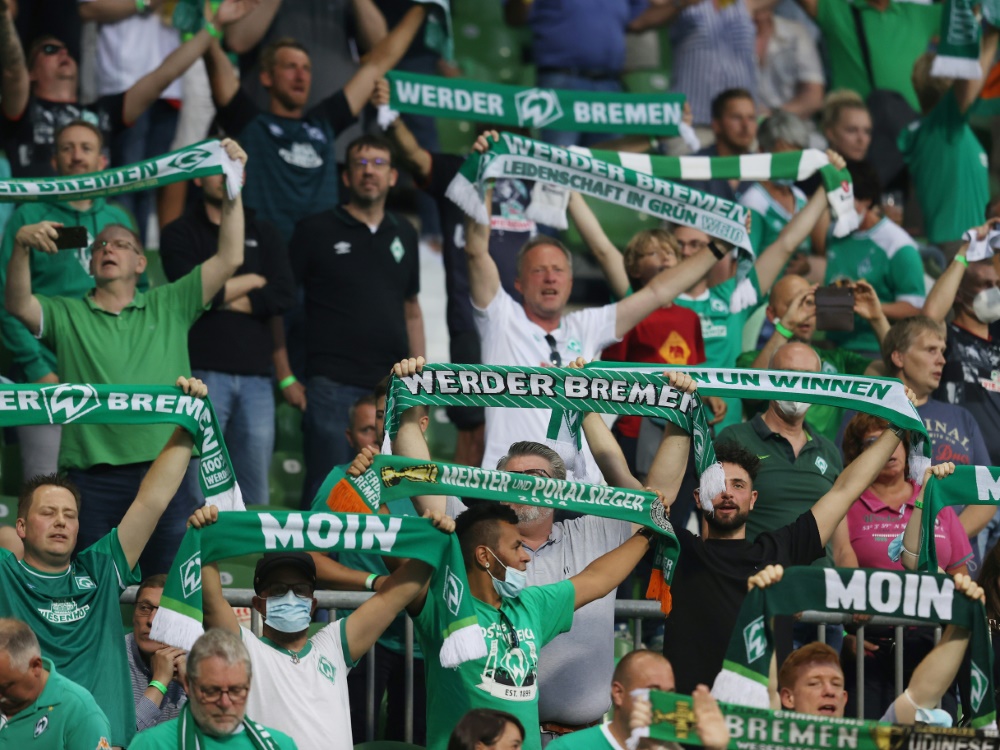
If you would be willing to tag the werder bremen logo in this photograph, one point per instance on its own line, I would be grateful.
(327, 669)
(191, 575)
(67, 402)
(536, 108)
(189, 160)
(754, 640)
(453, 591)
(979, 686)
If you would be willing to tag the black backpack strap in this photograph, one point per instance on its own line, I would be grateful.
(863, 44)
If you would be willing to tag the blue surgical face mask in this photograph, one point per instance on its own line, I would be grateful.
(935, 717)
(782, 181)
(514, 581)
(288, 613)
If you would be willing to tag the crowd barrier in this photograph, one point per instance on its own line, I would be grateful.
(634, 610)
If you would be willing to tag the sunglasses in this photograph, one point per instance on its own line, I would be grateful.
(554, 357)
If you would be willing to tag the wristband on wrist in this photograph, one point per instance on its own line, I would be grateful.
(716, 249)
(158, 685)
(961, 259)
(285, 382)
(897, 431)
(370, 581)
(213, 31)
(918, 504)
(781, 329)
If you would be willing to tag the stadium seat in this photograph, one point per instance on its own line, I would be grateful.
(8, 509)
(619, 224)
(288, 426)
(10, 469)
(455, 136)
(285, 479)
(441, 435)
(237, 572)
(646, 82)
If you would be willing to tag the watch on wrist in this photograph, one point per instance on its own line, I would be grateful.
(646, 532)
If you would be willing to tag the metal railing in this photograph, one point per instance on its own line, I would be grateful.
(632, 609)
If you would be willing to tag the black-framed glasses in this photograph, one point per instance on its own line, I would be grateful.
(534, 473)
(213, 693)
(52, 49)
(145, 609)
(511, 631)
(554, 356)
(301, 590)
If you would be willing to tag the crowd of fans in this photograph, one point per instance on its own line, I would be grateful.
(305, 288)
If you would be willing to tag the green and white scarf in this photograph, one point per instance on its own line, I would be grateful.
(191, 737)
(958, 48)
(925, 597)
(643, 390)
(179, 620)
(200, 160)
(790, 165)
(394, 477)
(81, 403)
(516, 106)
(516, 156)
(969, 485)
(763, 729)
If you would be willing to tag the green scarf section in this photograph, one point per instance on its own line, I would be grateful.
(643, 390)
(958, 48)
(516, 106)
(395, 477)
(763, 729)
(969, 485)
(179, 620)
(791, 165)
(920, 596)
(190, 736)
(517, 157)
(200, 160)
(81, 403)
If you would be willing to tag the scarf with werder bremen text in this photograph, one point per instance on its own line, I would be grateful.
(923, 597)
(643, 390)
(179, 620)
(198, 160)
(969, 485)
(81, 403)
(763, 729)
(393, 477)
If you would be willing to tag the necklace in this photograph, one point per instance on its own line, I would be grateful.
(295, 656)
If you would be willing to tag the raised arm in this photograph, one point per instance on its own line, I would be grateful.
(383, 58)
(607, 453)
(484, 277)
(910, 553)
(15, 86)
(604, 251)
(20, 302)
(605, 574)
(936, 672)
(830, 509)
(369, 22)
(967, 91)
(218, 269)
(942, 295)
(222, 78)
(417, 159)
(159, 485)
(218, 612)
(247, 32)
(112, 11)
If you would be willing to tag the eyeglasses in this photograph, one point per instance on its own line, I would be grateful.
(554, 356)
(534, 473)
(378, 162)
(693, 244)
(301, 590)
(511, 631)
(116, 244)
(145, 609)
(52, 49)
(213, 693)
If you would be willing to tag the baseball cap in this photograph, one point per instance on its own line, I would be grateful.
(274, 560)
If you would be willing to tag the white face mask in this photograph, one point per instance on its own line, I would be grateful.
(792, 409)
(986, 305)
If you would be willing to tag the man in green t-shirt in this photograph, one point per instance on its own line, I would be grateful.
(72, 603)
(647, 670)
(39, 708)
(881, 253)
(516, 620)
(218, 680)
(948, 165)
(117, 334)
(897, 33)
(792, 309)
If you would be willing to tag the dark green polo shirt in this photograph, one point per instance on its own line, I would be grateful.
(787, 486)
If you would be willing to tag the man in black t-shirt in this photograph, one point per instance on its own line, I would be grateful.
(360, 270)
(40, 94)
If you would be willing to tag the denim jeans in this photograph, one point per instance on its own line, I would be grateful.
(150, 135)
(576, 83)
(244, 405)
(323, 427)
(108, 493)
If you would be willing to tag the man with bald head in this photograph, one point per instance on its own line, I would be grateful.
(792, 310)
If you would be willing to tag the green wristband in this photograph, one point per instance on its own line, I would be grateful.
(961, 259)
(782, 330)
(212, 31)
(285, 382)
(142, 7)
(158, 685)
(370, 581)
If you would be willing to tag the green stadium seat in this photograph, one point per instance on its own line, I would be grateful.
(288, 426)
(10, 469)
(646, 82)
(492, 44)
(441, 435)
(623, 646)
(8, 509)
(285, 479)
(237, 572)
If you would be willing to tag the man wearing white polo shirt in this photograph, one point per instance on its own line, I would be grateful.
(537, 331)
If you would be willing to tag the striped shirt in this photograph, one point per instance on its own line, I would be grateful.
(713, 51)
(146, 713)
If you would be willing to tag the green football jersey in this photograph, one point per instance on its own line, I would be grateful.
(592, 738)
(77, 619)
(770, 217)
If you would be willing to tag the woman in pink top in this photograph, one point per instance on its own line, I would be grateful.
(876, 518)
